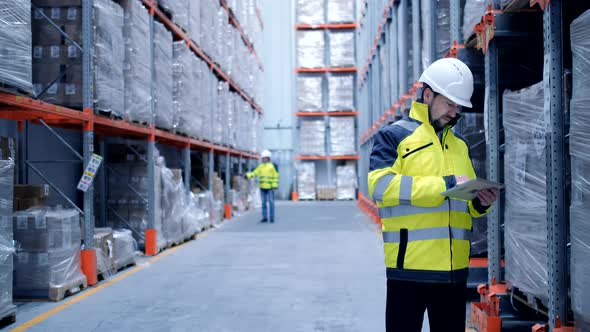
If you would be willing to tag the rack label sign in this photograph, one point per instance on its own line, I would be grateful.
(89, 172)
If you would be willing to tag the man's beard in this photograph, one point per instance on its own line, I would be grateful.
(438, 126)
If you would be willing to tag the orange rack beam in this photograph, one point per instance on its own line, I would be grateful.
(179, 33)
(327, 70)
(343, 26)
(327, 113)
(369, 207)
(20, 108)
(354, 157)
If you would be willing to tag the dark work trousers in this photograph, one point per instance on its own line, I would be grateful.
(407, 300)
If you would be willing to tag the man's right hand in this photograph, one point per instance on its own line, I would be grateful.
(461, 179)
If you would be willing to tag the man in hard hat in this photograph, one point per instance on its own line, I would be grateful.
(268, 174)
(427, 235)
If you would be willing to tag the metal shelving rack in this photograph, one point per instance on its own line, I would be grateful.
(375, 113)
(26, 110)
(326, 115)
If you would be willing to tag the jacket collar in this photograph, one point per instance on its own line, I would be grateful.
(419, 111)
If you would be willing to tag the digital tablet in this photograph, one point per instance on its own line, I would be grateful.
(468, 190)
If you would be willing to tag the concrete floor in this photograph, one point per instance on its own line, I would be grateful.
(318, 268)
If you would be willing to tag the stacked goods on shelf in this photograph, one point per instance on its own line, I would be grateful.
(196, 217)
(124, 248)
(472, 13)
(222, 93)
(580, 161)
(306, 181)
(310, 49)
(239, 193)
(312, 139)
(163, 77)
(137, 72)
(442, 37)
(179, 9)
(340, 11)
(346, 181)
(203, 77)
(309, 93)
(15, 45)
(342, 140)
(341, 46)
(27, 196)
(48, 263)
(472, 126)
(173, 205)
(218, 199)
(183, 99)
(128, 192)
(254, 200)
(103, 243)
(6, 237)
(525, 227)
(57, 61)
(340, 93)
(310, 12)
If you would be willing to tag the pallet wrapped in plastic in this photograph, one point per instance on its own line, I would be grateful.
(442, 37)
(137, 65)
(108, 64)
(310, 49)
(220, 113)
(124, 248)
(310, 12)
(580, 165)
(312, 137)
(15, 45)
(472, 128)
(342, 138)
(341, 48)
(472, 14)
(346, 182)
(194, 21)
(103, 243)
(309, 93)
(341, 11)
(194, 218)
(183, 89)
(179, 9)
(205, 109)
(525, 227)
(163, 77)
(173, 205)
(49, 255)
(340, 93)
(306, 185)
(7, 248)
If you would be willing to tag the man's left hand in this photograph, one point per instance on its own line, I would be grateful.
(487, 197)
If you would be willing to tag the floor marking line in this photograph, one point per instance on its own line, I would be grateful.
(83, 295)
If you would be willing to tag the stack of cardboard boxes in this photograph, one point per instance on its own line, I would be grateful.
(57, 58)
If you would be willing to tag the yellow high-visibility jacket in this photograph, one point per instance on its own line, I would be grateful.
(426, 235)
(268, 174)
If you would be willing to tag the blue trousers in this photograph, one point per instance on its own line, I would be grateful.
(268, 196)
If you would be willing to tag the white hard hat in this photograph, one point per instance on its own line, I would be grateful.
(451, 78)
(266, 154)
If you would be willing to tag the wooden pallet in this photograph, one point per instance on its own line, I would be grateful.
(8, 315)
(124, 265)
(54, 294)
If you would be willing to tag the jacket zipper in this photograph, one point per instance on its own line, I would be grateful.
(417, 149)
(450, 239)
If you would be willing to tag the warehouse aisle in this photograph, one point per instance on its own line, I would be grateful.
(318, 268)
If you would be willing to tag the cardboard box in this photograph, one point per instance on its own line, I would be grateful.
(28, 196)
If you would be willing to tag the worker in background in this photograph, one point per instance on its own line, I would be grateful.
(427, 235)
(269, 181)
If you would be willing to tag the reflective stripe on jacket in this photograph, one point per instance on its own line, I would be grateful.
(268, 174)
(426, 236)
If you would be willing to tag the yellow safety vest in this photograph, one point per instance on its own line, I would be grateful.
(268, 174)
(426, 236)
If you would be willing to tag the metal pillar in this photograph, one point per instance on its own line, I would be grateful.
(456, 35)
(402, 20)
(555, 143)
(211, 169)
(186, 154)
(227, 177)
(88, 103)
(492, 111)
(416, 46)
